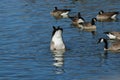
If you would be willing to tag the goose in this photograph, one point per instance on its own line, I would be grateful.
(88, 25)
(77, 19)
(106, 15)
(57, 39)
(114, 46)
(60, 12)
(113, 35)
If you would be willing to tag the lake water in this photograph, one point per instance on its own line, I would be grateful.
(25, 34)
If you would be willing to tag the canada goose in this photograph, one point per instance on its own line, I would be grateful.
(88, 25)
(57, 40)
(113, 35)
(60, 12)
(106, 15)
(77, 19)
(114, 46)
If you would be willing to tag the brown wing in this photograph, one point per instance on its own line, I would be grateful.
(108, 13)
(115, 46)
(87, 24)
(116, 33)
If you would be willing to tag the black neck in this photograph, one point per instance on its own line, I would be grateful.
(56, 8)
(79, 15)
(92, 22)
(106, 44)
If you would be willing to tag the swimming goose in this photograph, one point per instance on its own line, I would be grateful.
(113, 35)
(60, 12)
(114, 46)
(77, 19)
(106, 15)
(57, 40)
(88, 25)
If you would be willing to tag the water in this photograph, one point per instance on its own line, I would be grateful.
(25, 34)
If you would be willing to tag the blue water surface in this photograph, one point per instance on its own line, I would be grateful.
(25, 34)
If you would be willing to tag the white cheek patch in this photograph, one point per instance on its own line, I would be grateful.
(101, 12)
(101, 40)
(95, 20)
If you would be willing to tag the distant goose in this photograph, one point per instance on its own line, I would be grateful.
(77, 19)
(113, 35)
(88, 25)
(57, 39)
(106, 15)
(60, 12)
(114, 46)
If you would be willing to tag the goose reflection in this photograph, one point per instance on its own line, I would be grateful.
(103, 57)
(30, 1)
(58, 57)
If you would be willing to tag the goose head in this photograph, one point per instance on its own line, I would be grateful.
(56, 8)
(105, 41)
(93, 21)
(101, 40)
(101, 12)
